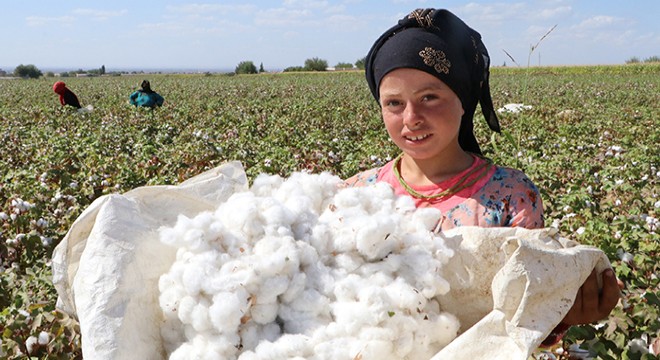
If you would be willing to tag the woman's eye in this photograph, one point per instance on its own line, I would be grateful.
(429, 97)
(392, 103)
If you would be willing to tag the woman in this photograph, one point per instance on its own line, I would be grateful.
(67, 97)
(146, 97)
(428, 73)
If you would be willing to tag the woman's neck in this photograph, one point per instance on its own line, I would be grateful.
(420, 172)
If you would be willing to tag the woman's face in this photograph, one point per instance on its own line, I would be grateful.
(421, 113)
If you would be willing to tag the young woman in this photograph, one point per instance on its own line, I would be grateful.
(428, 73)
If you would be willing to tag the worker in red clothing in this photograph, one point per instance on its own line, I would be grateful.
(67, 97)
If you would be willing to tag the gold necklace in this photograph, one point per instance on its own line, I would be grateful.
(460, 185)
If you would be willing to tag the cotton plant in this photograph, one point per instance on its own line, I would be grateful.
(301, 268)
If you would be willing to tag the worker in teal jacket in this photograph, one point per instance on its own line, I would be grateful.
(146, 97)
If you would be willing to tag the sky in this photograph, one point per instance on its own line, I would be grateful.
(203, 36)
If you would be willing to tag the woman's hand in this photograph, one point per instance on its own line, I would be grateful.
(591, 304)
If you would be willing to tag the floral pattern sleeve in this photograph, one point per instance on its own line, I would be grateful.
(367, 177)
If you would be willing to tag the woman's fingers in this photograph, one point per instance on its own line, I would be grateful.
(592, 304)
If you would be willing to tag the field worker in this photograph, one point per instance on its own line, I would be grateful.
(428, 73)
(67, 97)
(146, 97)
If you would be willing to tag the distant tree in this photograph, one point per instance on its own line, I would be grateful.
(293, 69)
(316, 64)
(652, 59)
(102, 72)
(27, 71)
(360, 63)
(261, 68)
(633, 60)
(49, 74)
(343, 66)
(246, 67)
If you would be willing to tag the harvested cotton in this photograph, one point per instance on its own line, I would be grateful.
(300, 268)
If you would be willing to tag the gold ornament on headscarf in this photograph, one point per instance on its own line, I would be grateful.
(435, 58)
(424, 17)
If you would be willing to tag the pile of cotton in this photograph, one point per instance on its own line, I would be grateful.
(300, 268)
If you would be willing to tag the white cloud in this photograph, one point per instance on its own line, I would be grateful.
(496, 13)
(284, 17)
(99, 14)
(46, 20)
(599, 22)
(307, 4)
(551, 13)
(205, 9)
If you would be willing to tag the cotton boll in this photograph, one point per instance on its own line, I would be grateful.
(373, 349)
(186, 306)
(233, 275)
(347, 197)
(343, 241)
(227, 311)
(425, 218)
(203, 348)
(192, 278)
(441, 329)
(277, 255)
(307, 254)
(264, 184)
(264, 313)
(296, 285)
(169, 299)
(303, 226)
(287, 346)
(321, 238)
(406, 204)
(347, 288)
(274, 213)
(271, 288)
(240, 213)
(200, 317)
(373, 238)
(194, 240)
(310, 301)
(404, 296)
(221, 347)
(183, 352)
(377, 333)
(378, 196)
(337, 348)
(353, 315)
(250, 334)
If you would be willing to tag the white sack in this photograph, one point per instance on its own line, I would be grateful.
(515, 284)
(107, 267)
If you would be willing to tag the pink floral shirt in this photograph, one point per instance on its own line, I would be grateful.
(503, 197)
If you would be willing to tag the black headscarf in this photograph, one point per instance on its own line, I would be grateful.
(441, 44)
(146, 86)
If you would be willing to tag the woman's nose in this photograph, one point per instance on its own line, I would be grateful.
(411, 117)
